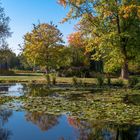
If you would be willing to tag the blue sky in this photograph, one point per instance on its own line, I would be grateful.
(24, 13)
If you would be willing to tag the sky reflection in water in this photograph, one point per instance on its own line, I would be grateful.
(36, 126)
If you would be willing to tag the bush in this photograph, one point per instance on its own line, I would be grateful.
(6, 73)
(75, 71)
(133, 81)
(100, 81)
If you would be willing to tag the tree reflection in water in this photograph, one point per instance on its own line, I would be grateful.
(38, 90)
(104, 131)
(4, 133)
(44, 122)
(87, 130)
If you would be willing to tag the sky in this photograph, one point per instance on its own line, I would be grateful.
(24, 13)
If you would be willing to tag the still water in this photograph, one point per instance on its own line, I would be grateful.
(22, 125)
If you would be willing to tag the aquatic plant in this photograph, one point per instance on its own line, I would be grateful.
(119, 83)
(137, 86)
(133, 81)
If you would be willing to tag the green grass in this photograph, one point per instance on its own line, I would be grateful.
(21, 78)
(40, 78)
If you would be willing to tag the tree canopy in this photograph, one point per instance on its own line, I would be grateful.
(42, 45)
(4, 26)
(5, 52)
(113, 29)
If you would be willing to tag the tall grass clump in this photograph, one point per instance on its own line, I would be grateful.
(100, 80)
(54, 79)
(75, 81)
(48, 79)
(108, 81)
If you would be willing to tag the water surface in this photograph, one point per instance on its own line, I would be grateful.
(23, 125)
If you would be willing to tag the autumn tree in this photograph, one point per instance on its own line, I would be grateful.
(77, 49)
(113, 27)
(76, 39)
(78, 42)
(42, 45)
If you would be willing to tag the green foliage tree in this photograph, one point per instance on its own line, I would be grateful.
(42, 46)
(4, 26)
(112, 27)
(7, 58)
(21, 63)
(4, 33)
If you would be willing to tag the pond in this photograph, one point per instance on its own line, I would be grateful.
(36, 126)
(26, 125)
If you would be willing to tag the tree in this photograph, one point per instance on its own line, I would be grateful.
(77, 42)
(4, 33)
(7, 57)
(113, 27)
(21, 63)
(42, 45)
(4, 26)
(77, 49)
(76, 39)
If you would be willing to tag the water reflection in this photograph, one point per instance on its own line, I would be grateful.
(4, 116)
(41, 126)
(4, 89)
(85, 130)
(44, 122)
(12, 89)
(41, 90)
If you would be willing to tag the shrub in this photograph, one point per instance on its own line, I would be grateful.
(75, 71)
(100, 81)
(6, 73)
(133, 81)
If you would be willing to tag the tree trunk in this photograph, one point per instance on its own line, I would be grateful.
(124, 71)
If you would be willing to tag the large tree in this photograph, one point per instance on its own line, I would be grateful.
(43, 45)
(113, 27)
(4, 33)
(4, 26)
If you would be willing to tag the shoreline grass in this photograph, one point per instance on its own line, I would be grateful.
(41, 78)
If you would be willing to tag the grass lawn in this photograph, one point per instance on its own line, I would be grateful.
(40, 78)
